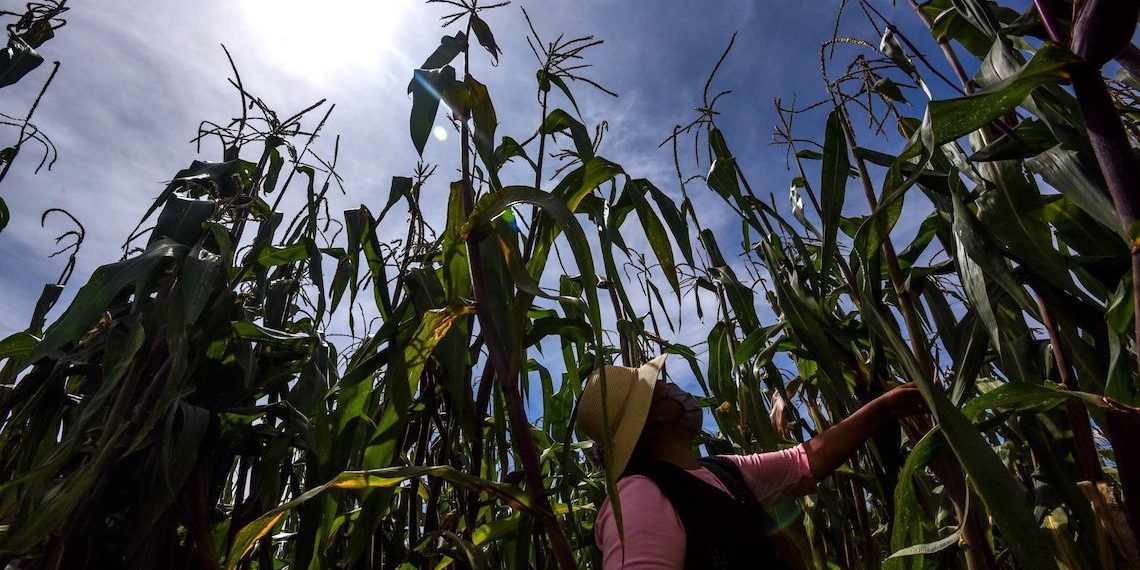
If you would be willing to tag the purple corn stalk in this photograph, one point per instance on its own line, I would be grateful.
(1103, 29)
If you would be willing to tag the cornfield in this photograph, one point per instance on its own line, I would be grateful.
(253, 387)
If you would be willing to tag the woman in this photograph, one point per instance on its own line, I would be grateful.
(682, 511)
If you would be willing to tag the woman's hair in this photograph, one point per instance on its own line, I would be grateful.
(597, 454)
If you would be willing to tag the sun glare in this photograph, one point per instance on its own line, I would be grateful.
(319, 36)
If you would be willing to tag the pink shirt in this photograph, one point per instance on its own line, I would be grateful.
(655, 536)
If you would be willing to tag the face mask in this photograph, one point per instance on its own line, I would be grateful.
(691, 418)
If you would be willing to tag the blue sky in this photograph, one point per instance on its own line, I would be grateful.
(135, 82)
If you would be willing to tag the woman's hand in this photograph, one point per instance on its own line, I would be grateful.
(831, 448)
(901, 402)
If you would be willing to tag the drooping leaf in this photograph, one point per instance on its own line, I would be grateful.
(486, 121)
(722, 178)
(182, 219)
(48, 296)
(426, 89)
(486, 38)
(558, 121)
(889, 89)
(510, 148)
(673, 219)
(449, 48)
(654, 232)
(17, 60)
(276, 162)
(199, 281)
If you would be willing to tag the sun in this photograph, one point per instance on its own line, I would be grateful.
(322, 36)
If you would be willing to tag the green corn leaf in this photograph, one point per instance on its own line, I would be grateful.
(889, 89)
(722, 179)
(1062, 169)
(1030, 138)
(508, 245)
(908, 525)
(486, 121)
(255, 332)
(48, 296)
(182, 219)
(952, 118)
(272, 256)
(875, 230)
(949, 25)
(406, 379)
(557, 80)
(654, 232)
(200, 274)
(493, 205)
(1003, 496)
(484, 35)
(426, 89)
(449, 48)
(401, 187)
(385, 478)
(1014, 396)
(105, 285)
(17, 346)
(739, 296)
(558, 121)
(17, 60)
(510, 148)
(276, 162)
(573, 189)
(930, 547)
(673, 218)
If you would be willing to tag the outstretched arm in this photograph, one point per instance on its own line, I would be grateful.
(835, 445)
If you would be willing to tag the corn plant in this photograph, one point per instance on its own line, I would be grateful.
(191, 407)
(1010, 308)
(27, 31)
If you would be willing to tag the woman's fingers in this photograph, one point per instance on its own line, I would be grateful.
(906, 401)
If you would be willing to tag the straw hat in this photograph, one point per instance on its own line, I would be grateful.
(628, 394)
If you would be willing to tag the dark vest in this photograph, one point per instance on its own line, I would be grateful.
(722, 532)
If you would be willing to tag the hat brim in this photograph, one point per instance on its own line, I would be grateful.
(636, 412)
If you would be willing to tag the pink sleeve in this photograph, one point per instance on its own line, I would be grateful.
(654, 534)
(776, 475)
